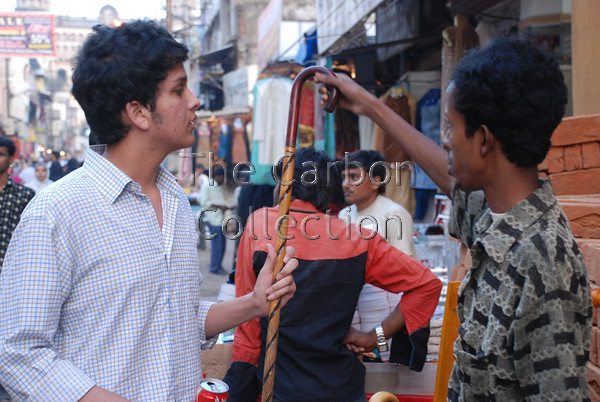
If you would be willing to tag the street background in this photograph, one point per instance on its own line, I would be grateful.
(211, 283)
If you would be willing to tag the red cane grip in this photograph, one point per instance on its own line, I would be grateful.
(295, 100)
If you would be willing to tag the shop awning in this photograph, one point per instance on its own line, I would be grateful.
(472, 7)
(224, 55)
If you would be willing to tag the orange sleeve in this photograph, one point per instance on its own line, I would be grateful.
(246, 341)
(394, 271)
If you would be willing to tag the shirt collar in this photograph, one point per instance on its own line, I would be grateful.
(497, 238)
(112, 181)
(10, 182)
(303, 206)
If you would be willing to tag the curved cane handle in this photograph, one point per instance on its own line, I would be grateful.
(332, 91)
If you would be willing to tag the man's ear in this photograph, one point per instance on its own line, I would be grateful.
(376, 182)
(137, 114)
(488, 141)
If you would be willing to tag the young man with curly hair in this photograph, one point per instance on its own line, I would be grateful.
(99, 294)
(524, 307)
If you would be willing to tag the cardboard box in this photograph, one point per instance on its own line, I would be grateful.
(217, 360)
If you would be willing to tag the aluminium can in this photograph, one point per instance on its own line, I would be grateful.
(212, 390)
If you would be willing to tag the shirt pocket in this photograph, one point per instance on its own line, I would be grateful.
(472, 372)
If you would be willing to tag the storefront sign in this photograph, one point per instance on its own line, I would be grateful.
(336, 17)
(269, 23)
(27, 35)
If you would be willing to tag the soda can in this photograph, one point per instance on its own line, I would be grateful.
(212, 390)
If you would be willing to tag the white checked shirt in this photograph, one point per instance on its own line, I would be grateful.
(92, 292)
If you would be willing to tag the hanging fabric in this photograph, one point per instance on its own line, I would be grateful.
(223, 140)
(346, 133)
(398, 190)
(270, 117)
(238, 143)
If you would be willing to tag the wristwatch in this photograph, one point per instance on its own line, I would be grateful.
(382, 345)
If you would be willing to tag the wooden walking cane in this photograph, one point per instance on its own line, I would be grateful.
(285, 197)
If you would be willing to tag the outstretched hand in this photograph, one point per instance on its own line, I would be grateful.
(284, 287)
(351, 95)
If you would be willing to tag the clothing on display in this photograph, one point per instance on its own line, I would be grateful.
(428, 123)
(239, 143)
(269, 120)
(398, 190)
(223, 140)
(346, 133)
(366, 132)
(271, 109)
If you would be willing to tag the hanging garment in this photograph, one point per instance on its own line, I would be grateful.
(306, 116)
(269, 125)
(399, 100)
(271, 109)
(398, 190)
(366, 132)
(428, 123)
(203, 138)
(223, 140)
(346, 133)
(239, 143)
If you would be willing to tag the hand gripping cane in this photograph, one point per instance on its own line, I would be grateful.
(285, 196)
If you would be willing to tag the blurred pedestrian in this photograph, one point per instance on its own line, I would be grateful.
(41, 180)
(56, 169)
(71, 165)
(13, 197)
(28, 172)
(212, 199)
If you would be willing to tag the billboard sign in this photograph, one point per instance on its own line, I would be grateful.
(269, 24)
(27, 35)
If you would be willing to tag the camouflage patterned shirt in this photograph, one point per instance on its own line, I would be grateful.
(525, 305)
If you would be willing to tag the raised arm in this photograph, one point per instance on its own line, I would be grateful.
(430, 156)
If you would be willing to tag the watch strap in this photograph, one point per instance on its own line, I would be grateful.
(382, 345)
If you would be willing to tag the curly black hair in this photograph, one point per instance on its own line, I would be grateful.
(118, 65)
(517, 91)
(372, 161)
(10, 146)
(316, 177)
